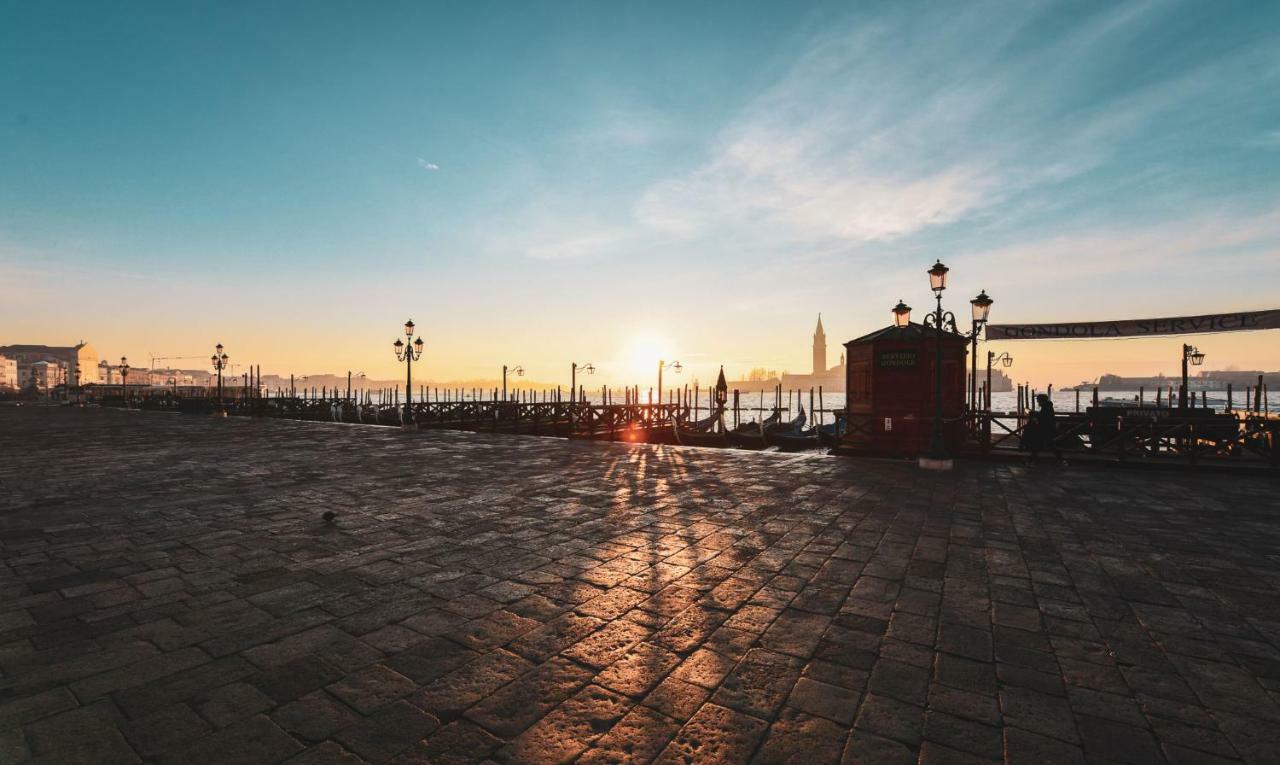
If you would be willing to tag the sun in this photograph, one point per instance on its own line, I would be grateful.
(643, 352)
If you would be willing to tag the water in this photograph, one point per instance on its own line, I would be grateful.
(1065, 401)
(753, 406)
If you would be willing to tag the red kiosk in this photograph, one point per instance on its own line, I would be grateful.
(889, 397)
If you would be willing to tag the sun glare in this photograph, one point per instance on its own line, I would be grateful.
(643, 354)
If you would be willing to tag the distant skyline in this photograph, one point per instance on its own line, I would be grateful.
(537, 184)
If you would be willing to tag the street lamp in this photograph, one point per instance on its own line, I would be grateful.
(219, 362)
(901, 314)
(675, 365)
(1004, 359)
(589, 368)
(936, 456)
(519, 370)
(124, 380)
(1192, 354)
(408, 353)
(981, 306)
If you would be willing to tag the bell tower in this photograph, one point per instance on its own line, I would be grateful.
(819, 348)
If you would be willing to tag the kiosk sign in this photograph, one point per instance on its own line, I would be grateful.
(896, 359)
(1183, 325)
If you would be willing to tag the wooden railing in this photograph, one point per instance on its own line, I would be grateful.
(1125, 436)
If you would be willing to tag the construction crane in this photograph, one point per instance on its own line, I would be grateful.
(154, 359)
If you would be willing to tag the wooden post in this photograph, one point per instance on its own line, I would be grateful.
(1228, 398)
(821, 405)
(1257, 396)
(1077, 399)
(1142, 396)
(735, 407)
(1095, 396)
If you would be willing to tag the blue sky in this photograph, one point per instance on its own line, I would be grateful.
(541, 182)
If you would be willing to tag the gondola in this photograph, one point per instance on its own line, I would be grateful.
(793, 436)
(831, 435)
(751, 435)
(390, 414)
(706, 432)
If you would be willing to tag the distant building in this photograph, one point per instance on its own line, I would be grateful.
(1213, 380)
(43, 376)
(80, 358)
(8, 374)
(179, 377)
(830, 379)
(109, 374)
(1000, 382)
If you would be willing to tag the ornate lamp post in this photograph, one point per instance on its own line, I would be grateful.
(981, 306)
(573, 378)
(124, 380)
(408, 353)
(1192, 354)
(1004, 359)
(936, 456)
(519, 370)
(676, 366)
(219, 362)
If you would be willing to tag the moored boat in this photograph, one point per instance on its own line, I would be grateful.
(792, 436)
(751, 435)
(706, 432)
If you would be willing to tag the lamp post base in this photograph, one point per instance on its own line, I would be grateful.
(935, 463)
(409, 426)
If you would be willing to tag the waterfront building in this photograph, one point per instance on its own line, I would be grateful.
(183, 378)
(80, 358)
(8, 374)
(43, 376)
(109, 374)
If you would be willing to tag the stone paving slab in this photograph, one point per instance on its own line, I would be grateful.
(170, 593)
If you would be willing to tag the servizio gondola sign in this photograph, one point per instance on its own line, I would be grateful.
(1180, 325)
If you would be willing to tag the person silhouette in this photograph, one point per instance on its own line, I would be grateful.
(1045, 430)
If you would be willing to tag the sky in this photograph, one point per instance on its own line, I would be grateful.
(615, 183)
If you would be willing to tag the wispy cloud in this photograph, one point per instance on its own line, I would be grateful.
(891, 128)
(425, 165)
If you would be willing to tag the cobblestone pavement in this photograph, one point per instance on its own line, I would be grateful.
(170, 593)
